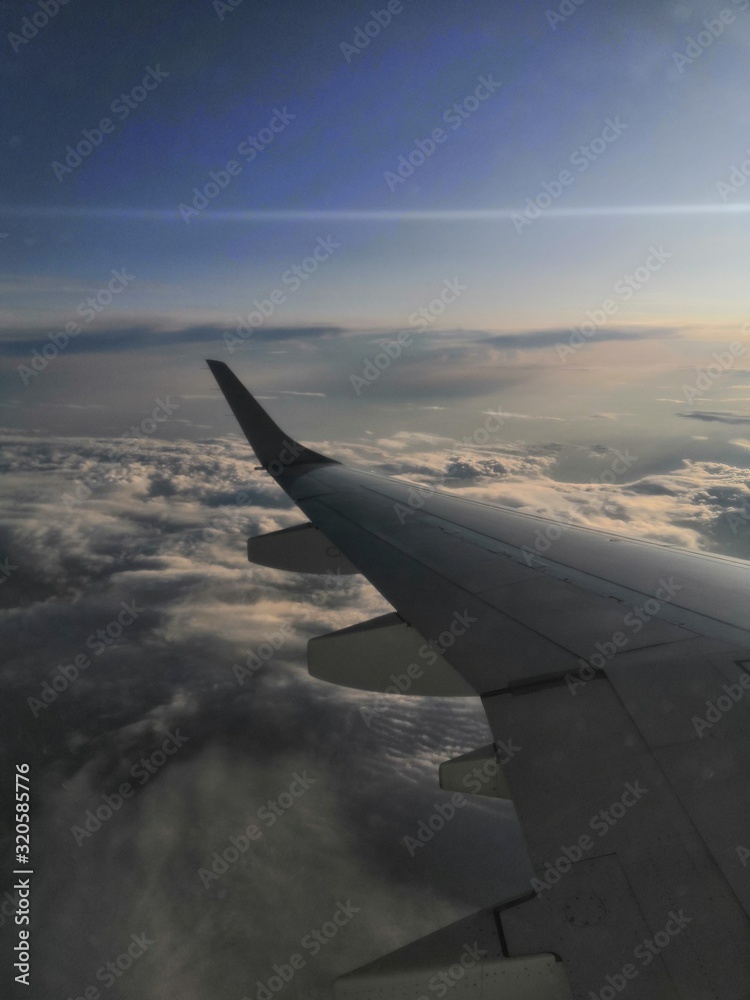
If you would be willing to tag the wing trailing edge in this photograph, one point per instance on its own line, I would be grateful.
(465, 961)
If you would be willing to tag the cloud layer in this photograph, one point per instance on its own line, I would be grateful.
(215, 653)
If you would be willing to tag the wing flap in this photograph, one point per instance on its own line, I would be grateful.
(464, 961)
(302, 548)
(384, 655)
(587, 788)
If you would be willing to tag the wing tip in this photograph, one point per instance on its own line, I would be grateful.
(266, 438)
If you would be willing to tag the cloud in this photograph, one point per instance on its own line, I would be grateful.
(292, 392)
(540, 339)
(144, 336)
(164, 529)
(718, 416)
(502, 415)
(123, 336)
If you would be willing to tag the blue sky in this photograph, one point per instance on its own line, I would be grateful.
(354, 117)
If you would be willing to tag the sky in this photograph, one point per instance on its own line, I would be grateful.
(494, 248)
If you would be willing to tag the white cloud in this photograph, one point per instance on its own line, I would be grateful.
(140, 536)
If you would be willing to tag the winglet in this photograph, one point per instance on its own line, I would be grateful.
(275, 449)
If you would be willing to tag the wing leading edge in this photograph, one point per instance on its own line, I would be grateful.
(596, 653)
(276, 450)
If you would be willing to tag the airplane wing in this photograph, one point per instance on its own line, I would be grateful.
(615, 675)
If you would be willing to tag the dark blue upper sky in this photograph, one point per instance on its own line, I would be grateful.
(357, 115)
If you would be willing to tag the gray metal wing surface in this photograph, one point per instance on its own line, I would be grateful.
(615, 675)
